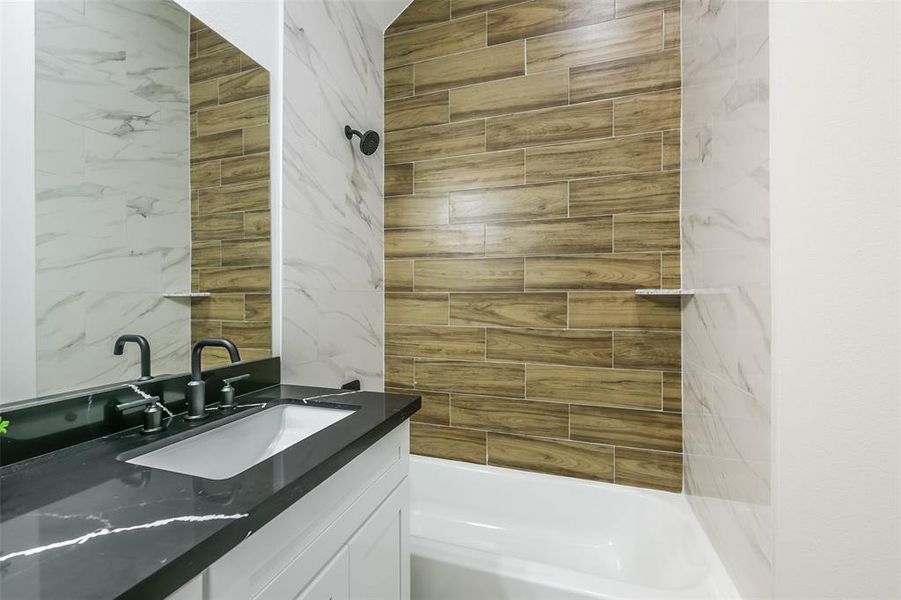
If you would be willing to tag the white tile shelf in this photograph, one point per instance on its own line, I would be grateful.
(686, 291)
(664, 292)
(186, 294)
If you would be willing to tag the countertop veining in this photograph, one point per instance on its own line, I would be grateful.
(82, 523)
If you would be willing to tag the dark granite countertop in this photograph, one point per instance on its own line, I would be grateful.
(80, 523)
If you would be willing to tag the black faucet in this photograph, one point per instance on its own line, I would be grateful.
(197, 387)
(143, 344)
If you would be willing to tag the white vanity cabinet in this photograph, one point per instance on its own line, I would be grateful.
(347, 539)
(332, 583)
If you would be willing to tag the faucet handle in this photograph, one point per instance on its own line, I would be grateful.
(231, 380)
(152, 400)
(153, 412)
(228, 391)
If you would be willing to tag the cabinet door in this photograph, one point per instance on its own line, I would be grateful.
(283, 557)
(379, 552)
(332, 582)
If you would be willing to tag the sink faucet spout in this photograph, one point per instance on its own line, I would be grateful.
(197, 387)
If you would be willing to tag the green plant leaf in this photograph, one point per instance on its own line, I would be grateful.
(3, 424)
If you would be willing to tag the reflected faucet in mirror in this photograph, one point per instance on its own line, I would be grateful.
(118, 245)
(197, 387)
(143, 344)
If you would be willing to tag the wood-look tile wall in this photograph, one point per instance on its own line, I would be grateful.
(230, 243)
(532, 183)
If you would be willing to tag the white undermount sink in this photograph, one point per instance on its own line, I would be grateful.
(230, 449)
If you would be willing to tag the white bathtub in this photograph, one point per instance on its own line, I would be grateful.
(486, 533)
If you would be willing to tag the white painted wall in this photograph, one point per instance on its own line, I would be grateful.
(251, 25)
(17, 227)
(836, 197)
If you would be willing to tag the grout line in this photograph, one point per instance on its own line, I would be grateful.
(519, 3)
(661, 269)
(613, 233)
(661, 390)
(517, 327)
(525, 113)
(431, 26)
(459, 53)
(523, 149)
(524, 263)
(525, 380)
(525, 55)
(568, 296)
(613, 349)
(525, 40)
(545, 72)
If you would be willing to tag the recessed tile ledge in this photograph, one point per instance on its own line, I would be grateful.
(684, 291)
(664, 292)
(186, 294)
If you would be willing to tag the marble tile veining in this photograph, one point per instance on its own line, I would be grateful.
(112, 203)
(725, 240)
(332, 266)
(87, 509)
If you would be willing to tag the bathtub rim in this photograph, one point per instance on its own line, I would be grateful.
(717, 576)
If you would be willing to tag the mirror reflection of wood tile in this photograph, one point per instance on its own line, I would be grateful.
(231, 180)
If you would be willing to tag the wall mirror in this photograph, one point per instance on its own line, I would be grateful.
(152, 203)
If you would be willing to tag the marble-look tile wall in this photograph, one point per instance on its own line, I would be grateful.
(726, 325)
(332, 273)
(112, 205)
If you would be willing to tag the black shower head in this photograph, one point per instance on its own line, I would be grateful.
(369, 141)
